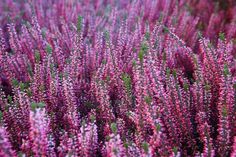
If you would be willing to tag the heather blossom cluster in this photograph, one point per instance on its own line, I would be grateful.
(153, 78)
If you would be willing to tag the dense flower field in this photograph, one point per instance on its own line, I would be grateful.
(118, 78)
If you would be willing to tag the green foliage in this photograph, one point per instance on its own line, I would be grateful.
(79, 23)
(186, 87)
(22, 86)
(43, 32)
(224, 111)
(160, 17)
(49, 49)
(104, 61)
(30, 70)
(114, 128)
(210, 45)
(143, 51)
(108, 78)
(222, 36)
(127, 81)
(9, 98)
(148, 99)
(147, 35)
(199, 33)
(174, 73)
(158, 127)
(207, 87)
(107, 138)
(133, 63)
(37, 56)
(92, 118)
(15, 82)
(20, 154)
(1, 116)
(107, 35)
(126, 145)
(164, 56)
(175, 150)
(145, 147)
(168, 73)
(226, 70)
(165, 29)
(35, 105)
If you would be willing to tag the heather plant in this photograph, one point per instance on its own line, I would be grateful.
(117, 78)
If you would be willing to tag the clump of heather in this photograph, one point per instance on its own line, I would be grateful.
(117, 78)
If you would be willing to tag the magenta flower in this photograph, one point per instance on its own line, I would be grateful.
(117, 78)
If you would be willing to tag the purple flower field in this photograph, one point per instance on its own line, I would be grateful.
(117, 78)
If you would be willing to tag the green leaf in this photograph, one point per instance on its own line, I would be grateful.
(195, 60)
(160, 17)
(158, 127)
(145, 147)
(49, 49)
(199, 34)
(127, 81)
(210, 45)
(107, 138)
(41, 88)
(126, 145)
(114, 128)
(108, 78)
(15, 82)
(164, 57)
(29, 92)
(207, 87)
(133, 63)
(30, 70)
(79, 23)
(1, 116)
(186, 87)
(222, 36)
(9, 98)
(224, 111)
(43, 32)
(37, 56)
(168, 73)
(92, 118)
(33, 106)
(22, 86)
(144, 47)
(226, 70)
(128, 113)
(165, 29)
(175, 150)
(147, 35)
(20, 154)
(143, 51)
(174, 73)
(107, 35)
(104, 61)
(148, 99)
(41, 105)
